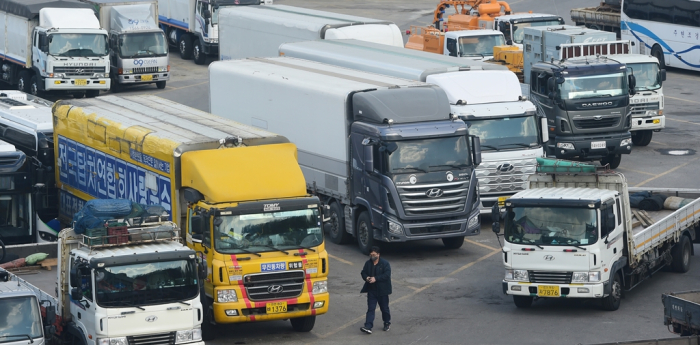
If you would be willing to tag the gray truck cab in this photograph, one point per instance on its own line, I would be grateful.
(586, 102)
(20, 308)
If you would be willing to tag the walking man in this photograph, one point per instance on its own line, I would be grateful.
(377, 277)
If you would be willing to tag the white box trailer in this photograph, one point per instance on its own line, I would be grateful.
(258, 31)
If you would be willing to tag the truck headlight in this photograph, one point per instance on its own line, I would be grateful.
(226, 296)
(162, 69)
(565, 146)
(473, 221)
(395, 228)
(517, 275)
(579, 277)
(112, 341)
(593, 277)
(188, 335)
(320, 287)
(652, 112)
(625, 142)
(127, 71)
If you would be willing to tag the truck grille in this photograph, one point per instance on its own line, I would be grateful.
(437, 229)
(593, 123)
(506, 176)
(451, 197)
(550, 277)
(145, 70)
(85, 71)
(641, 108)
(152, 339)
(258, 285)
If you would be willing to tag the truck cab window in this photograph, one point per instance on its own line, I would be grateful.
(604, 214)
(619, 212)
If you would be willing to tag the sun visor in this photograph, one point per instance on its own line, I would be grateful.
(402, 105)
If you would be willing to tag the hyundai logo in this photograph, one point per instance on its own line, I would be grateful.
(504, 168)
(80, 71)
(434, 193)
(151, 318)
(275, 289)
(597, 117)
(549, 257)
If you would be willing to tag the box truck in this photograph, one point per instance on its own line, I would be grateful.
(383, 153)
(53, 46)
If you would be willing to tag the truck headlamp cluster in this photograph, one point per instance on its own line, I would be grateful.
(226, 296)
(473, 221)
(188, 336)
(395, 228)
(625, 142)
(320, 287)
(585, 277)
(112, 341)
(517, 275)
(565, 146)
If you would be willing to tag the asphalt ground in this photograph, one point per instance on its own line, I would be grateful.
(454, 296)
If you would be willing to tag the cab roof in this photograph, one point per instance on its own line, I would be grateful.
(556, 194)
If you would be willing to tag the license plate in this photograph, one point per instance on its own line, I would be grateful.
(598, 145)
(146, 77)
(276, 307)
(81, 82)
(548, 291)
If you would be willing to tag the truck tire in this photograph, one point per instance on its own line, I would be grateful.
(198, 53)
(185, 47)
(453, 242)
(642, 138)
(337, 233)
(79, 95)
(34, 86)
(161, 84)
(523, 301)
(681, 255)
(303, 324)
(658, 53)
(612, 302)
(208, 329)
(23, 82)
(612, 160)
(92, 93)
(365, 233)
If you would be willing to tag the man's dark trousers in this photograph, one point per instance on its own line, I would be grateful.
(372, 300)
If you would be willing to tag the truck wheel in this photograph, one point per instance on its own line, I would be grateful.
(612, 302)
(681, 255)
(161, 84)
(523, 301)
(208, 328)
(198, 53)
(24, 81)
(612, 160)
(642, 138)
(92, 93)
(34, 86)
(365, 233)
(658, 53)
(453, 242)
(185, 47)
(337, 233)
(303, 324)
(79, 95)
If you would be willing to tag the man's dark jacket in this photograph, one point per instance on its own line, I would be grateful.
(382, 274)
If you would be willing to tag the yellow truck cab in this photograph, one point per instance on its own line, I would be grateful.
(236, 190)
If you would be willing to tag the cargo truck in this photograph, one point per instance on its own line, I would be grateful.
(682, 312)
(486, 96)
(258, 31)
(193, 25)
(571, 235)
(53, 46)
(137, 46)
(131, 291)
(236, 190)
(470, 44)
(383, 153)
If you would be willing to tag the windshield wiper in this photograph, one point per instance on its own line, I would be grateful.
(532, 242)
(456, 166)
(490, 147)
(517, 144)
(275, 248)
(419, 169)
(247, 251)
(308, 248)
(574, 245)
(31, 341)
(185, 303)
(122, 304)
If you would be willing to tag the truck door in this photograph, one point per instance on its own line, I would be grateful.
(540, 96)
(83, 310)
(358, 166)
(613, 249)
(200, 243)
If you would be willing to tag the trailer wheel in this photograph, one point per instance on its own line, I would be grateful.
(681, 255)
(365, 233)
(658, 53)
(612, 160)
(303, 324)
(198, 53)
(34, 86)
(612, 302)
(453, 242)
(185, 47)
(23, 82)
(337, 233)
(642, 138)
(523, 301)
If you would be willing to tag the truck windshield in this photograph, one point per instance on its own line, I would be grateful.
(519, 28)
(20, 319)
(647, 75)
(269, 231)
(429, 155)
(146, 283)
(78, 45)
(479, 45)
(14, 215)
(505, 133)
(143, 44)
(593, 86)
(552, 226)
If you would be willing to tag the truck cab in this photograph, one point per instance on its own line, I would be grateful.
(20, 307)
(472, 44)
(513, 25)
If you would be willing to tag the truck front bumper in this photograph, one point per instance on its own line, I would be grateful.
(466, 226)
(642, 123)
(69, 84)
(138, 78)
(587, 290)
(582, 146)
(249, 311)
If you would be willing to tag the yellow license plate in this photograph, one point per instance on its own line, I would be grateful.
(548, 291)
(502, 200)
(276, 307)
(146, 77)
(81, 82)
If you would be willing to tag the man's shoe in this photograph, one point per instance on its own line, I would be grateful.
(366, 330)
(387, 327)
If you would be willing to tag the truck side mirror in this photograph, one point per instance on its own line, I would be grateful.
(551, 84)
(476, 151)
(206, 14)
(368, 158)
(43, 43)
(496, 217)
(545, 131)
(76, 274)
(201, 270)
(662, 74)
(509, 42)
(197, 224)
(76, 294)
(632, 81)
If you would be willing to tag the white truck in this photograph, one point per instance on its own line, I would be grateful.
(571, 235)
(486, 96)
(258, 31)
(53, 46)
(193, 25)
(137, 46)
(138, 288)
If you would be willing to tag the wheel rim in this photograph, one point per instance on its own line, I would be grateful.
(335, 226)
(35, 89)
(182, 47)
(686, 255)
(20, 84)
(616, 291)
(363, 233)
(196, 52)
